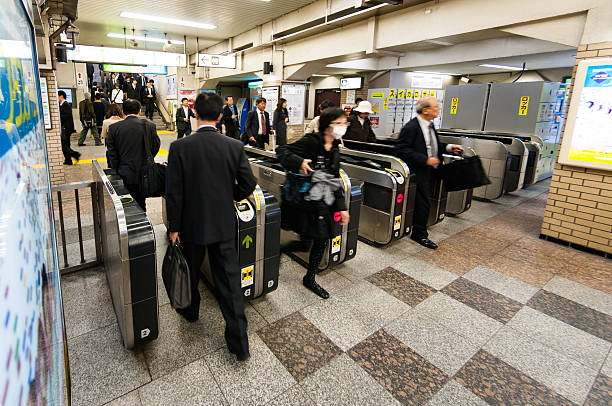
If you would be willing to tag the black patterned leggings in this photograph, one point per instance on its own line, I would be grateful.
(316, 255)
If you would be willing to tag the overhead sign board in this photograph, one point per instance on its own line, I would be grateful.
(351, 83)
(86, 53)
(217, 61)
(587, 141)
(151, 70)
(429, 81)
(256, 84)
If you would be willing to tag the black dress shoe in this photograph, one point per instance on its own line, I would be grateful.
(67, 162)
(77, 156)
(426, 242)
(188, 315)
(243, 356)
(311, 284)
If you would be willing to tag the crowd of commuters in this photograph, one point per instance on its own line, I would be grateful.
(207, 172)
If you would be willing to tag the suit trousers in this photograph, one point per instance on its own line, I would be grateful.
(425, 182)
(136, 195)
(68, 152)
(225, 271)
(182, 131)
(149, 108)
(233, 131)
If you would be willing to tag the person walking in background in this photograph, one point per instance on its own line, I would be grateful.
(418, 145)
(231, 121)
(125, 148)
(133, 91)
(315, 152)
(67, 124)
(257, 127)
(87, 115)
(313, 126)
(206, 174)
(148, 96)
(100, 111)
(117, 95)
(280, 121)
(357, 101)
(183, 116)
(113, 114)
(360, 128)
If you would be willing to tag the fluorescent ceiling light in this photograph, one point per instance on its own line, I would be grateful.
(438, 73)
(319, 75)
(504, 67)
(167, 20)
(143, 38)
(438, 42)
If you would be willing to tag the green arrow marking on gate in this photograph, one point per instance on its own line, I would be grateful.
(247, 241)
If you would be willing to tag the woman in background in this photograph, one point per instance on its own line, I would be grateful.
(279, 123)
(113, 114)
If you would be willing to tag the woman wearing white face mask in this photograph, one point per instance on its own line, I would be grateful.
(315, 152)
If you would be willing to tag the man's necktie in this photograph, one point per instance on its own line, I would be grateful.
(433, 142)
(263, 124)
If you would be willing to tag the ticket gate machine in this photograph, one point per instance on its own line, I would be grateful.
(439, 195)
(389, 192)
(533, 144)
(257, 241)
(128, 247)
(343, 246)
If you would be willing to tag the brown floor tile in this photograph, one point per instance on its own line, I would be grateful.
(401, 286)
(483, 234)
(450, 258)
(299, 345)
(493, 304)
(591, 270)
(601, 393)
(410, 378)
(541, 261)
(500, 384)
(572, 313)
(520, 269)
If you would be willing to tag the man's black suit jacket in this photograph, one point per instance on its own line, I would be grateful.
(125, 145)
(133, 93)
(181, 124)
(251, 128)
(145, 92)
(66, 118)
(412, 149)
(206, 173)
(227, 118)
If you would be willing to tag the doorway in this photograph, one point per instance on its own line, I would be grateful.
(333, 95)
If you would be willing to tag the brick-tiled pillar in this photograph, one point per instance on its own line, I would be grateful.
(579, 207)
(54, 142)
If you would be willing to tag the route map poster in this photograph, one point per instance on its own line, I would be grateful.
(588, 137)
(32, 337)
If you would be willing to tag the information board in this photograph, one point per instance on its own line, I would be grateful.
(271, 96)
(171, 87)
(587, 141)
(44, 95)
(296, 99)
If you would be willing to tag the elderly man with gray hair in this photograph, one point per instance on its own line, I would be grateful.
(418, 145)
(87, 115)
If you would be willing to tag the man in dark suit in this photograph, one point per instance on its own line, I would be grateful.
(148, 98)
(134, 90)
(231, 121)
(67, 124)
(418, 145)
(257, 128)
(206, 173)
(110, 83)
(183, 116)
(125, 145)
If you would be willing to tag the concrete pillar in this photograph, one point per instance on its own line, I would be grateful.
(53, 135)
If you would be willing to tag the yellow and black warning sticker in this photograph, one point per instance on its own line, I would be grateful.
(335, 246)
(409, 94)
(524, 106)
(454, 105)
(397, 223)
(392, 93)
(247, 276)
(417, 94)
(432, 93)
(424, 93)
(401, 93)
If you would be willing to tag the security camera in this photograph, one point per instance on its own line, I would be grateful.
(167, 46)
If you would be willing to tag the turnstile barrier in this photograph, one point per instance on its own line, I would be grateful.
(389, 191)
(257, 243)
(128, 246)
(343, 245)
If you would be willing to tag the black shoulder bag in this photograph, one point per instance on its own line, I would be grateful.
(152, 175)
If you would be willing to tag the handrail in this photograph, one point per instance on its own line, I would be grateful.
(163, 112)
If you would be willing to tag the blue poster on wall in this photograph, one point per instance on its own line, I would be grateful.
(31, 324)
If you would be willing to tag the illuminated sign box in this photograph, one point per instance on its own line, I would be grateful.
(351, 83)
(256, 84)
(217, 61)
(85, 53)
(587, 141)
(151, 70)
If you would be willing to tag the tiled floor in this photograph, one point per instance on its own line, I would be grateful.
(495, 316)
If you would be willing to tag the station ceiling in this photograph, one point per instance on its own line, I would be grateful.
(97, 18)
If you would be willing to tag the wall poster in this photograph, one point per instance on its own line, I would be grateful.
(271, 96)
(587, 141)
(32, 335)
(171, 87)
(44, 95)
(295, 95)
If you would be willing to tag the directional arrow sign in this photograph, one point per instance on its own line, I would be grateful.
(247, 241)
